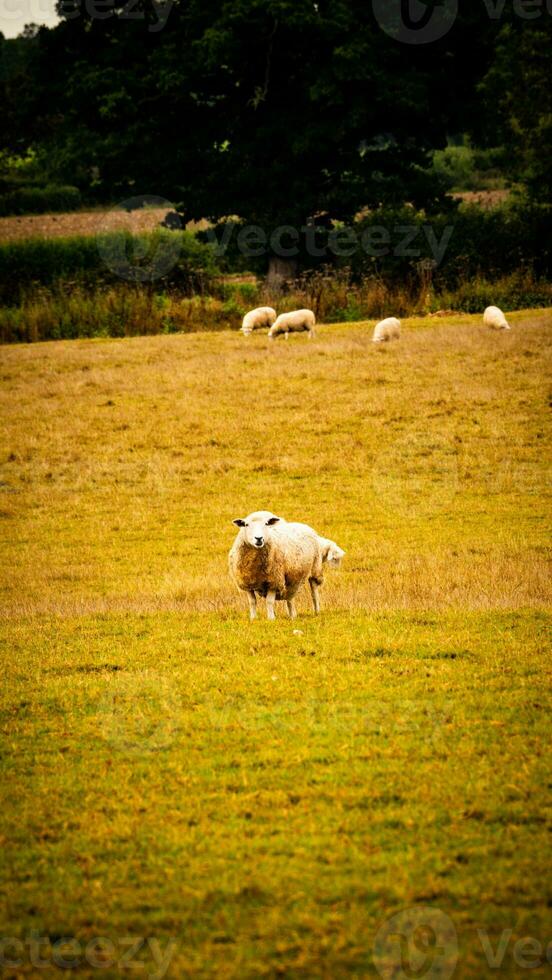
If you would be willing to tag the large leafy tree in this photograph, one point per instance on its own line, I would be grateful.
(517, 94)
(311, 108)
(277, 111)
(19, 80)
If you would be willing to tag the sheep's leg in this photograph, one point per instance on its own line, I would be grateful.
(270, 600)
(287, 336)
(291, 609)
(315, 596)
(252, 605)
(311, 334)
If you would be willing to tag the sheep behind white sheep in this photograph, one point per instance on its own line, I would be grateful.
(273, 558)
(262, 317)
(331, 552)
(494, 317)
(389, 329)
(297, 321)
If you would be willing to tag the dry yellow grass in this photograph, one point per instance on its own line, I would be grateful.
(123, 463)
(20, 227)
(484, 199)
(263, 800)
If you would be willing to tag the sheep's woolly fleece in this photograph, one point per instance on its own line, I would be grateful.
(331, 552)
(294, 322)
(291, 555)
(494, 317)
(389, 329)
(262, 317)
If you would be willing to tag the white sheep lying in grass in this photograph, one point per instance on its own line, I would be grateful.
(494, 317)
(273, 559)
(389, 329)
(296, 322)
(263, 316)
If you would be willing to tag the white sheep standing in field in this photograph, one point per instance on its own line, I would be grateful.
(389, 329)
(297, 321)
(273, 558)
(263, 316)
(331, 552)
(494, 317)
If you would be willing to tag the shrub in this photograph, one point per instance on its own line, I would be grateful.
(337, 297)
(123, 310)
(39, 200)
(106, 259)
(519, 290)
(67, 312)
(466, 169)
(244, 294)
(68, 287)
(334, 295)
(484, 243)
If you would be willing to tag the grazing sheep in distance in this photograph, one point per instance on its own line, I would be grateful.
(295, 322)
(273, 559)
(331, 552)
(389, 329)
(264, 316)
(494, 317)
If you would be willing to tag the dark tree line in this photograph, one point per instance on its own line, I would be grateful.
(274, 110)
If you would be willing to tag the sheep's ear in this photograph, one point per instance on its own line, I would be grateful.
(272, 520)
(239, 522)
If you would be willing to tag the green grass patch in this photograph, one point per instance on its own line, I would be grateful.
(103, 259)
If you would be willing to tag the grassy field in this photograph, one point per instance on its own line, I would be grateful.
(25, 226)
(19, 227)
(263, 799)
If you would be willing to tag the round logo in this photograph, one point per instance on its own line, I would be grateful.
(139, 712)
(406, 717)
(420, 942)
(414, 21)
(131, 249)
